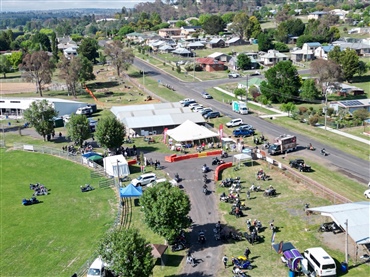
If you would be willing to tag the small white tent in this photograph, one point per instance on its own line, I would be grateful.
(189, 131)
(238, 158)
(116, 165)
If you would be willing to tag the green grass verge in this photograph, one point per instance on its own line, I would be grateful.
(57, 236)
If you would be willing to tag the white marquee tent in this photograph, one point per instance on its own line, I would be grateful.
(189, 131)
(239, 158)
(116, 165)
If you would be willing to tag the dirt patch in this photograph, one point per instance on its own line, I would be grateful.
(12, 88)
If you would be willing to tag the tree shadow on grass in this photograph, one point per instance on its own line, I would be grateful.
(101, 85)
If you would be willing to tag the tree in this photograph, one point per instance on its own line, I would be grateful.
(180, 23)
(40, 115)
(127, 253)
(37, 68)
(54, 46)
(282, 84)
(264, 42)
(281, 47)
(5, 65)
(41, 41)
(361, 114)
(335, 54)
(309, 90)
(213, 25)
(89, 49)
(78, 128)
(165, 210)
(240, 24)
(240, 92)
(15, 59)
(69, 71)
(110, 133)
(288, 107)
(87, 71)
(327, 72)
(125, 30)
(243, 61)
(349, 61)
(253, 28)
(362, 68)
(121, 58)
(228, 17)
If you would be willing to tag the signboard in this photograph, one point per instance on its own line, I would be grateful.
(269, 160)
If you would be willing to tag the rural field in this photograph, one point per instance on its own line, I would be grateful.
(57, 236)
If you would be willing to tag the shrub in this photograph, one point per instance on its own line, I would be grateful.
(302, 110)
(313, 119)
(330, 111)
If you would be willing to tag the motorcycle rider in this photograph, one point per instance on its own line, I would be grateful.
(205, 168)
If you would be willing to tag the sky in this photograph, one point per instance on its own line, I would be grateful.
(25, 5)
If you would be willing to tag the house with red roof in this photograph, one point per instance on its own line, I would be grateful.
(210, 64)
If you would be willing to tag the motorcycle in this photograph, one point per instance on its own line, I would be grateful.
(328, 227)
(323, 152)
(201, 237)
(224, 155)
(31, 201)
(224, 197)
(310, 147)
(177, 178)
(205, 189)
(270, 192)
(178, 247)
(254, 188)
(86, 188)
(205, 168)
(215, 161)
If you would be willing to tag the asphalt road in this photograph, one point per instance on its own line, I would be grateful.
(338, 160)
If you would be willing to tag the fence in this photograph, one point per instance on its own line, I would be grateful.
(97, 172)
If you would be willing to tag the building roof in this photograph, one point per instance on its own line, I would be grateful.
(215, 40)
(357, 214)
(232, 40)
(196, 44)
(251, 82)
(208, 61)
(313, 44)
(273, 54)
(216, 55)
(155, 115)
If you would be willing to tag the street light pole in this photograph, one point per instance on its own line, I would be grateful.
(143, 77)
(326, 107)
(246, 92)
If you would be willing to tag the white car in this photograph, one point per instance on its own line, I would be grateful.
(198, 109)
(234, 75)
(207, 96)
(186, 100)
(194, 105)
(144, 179)
(235, 122)
(367, 193)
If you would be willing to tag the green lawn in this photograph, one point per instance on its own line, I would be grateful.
(57, 236)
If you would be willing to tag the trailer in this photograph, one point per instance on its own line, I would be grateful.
(283, 144)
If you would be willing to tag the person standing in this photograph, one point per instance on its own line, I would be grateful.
(224, 260)
(248, 195)
(247, 253)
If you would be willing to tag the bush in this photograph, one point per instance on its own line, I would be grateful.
(302, 110)
(330, 111)
(281, 47)
(313, 119)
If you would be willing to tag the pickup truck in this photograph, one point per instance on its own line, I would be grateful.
(243, 132)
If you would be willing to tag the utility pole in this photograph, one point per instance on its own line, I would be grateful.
(326, 107)
(118, 173)
(246, 92)
(346, 246)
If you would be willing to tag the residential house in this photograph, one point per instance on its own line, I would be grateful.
(350, 105)
(69, 52)
(169, 33)
(66, 42)
(220, 57)
(166, 48)
(340, 13)
(189, 30)
(235, 41)
(316, 15)
(361, 49)
(233, 62)
(306, 53)
(183, 52)
(172, 23)
(210, 64)
(136, 37)
(216, 43)
(252, 82)
(323, 51)
(272, 57)
(195, 45)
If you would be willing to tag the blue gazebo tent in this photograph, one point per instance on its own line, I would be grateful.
(131, 191)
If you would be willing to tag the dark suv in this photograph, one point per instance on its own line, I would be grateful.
(212, 115)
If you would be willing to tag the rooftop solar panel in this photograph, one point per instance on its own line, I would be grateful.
(351, 103)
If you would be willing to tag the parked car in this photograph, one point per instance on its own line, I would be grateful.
(243, 132)
(246, 126)
(144, 179)
(186, 100)
(367, 193)
(192, 106)
(300, 165)
(97, 268)
(205, 111)
(212, 115)
(198, 109)
(234, 75)
(207, 96)
(85, 111)
(235, 122)
(187, 103)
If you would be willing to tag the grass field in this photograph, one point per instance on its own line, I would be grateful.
(57, 236)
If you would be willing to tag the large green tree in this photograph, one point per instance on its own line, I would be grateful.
(253, 28)
(5, 65)
(121, 58)
(37, 67)
(78, 128)
(327, 72)
(40, 115)
(264, 42)
(282, 83)
(239, 24)
(349, 61)
(214, 25)
(309, 90)
(165, 209)
(243, 61)
(89, 49)
(110, 133)
(127, 253)
(41, 41)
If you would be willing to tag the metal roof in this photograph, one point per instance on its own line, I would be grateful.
(357, 214)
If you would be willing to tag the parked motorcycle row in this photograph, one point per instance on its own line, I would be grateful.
(38, 189)
(86, 188)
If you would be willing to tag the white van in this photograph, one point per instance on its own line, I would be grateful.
(321, 262)
(84, 110)
(96, 268)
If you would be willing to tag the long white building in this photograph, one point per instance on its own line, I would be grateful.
(13, 106)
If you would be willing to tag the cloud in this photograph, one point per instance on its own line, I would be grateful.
(24, 5)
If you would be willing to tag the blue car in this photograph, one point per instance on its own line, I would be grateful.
(243, 132)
